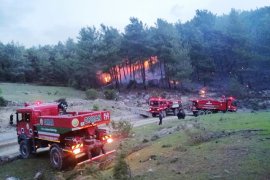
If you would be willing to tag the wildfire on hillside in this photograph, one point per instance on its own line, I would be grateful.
(125, 70)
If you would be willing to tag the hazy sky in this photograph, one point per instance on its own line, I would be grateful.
(34, 22)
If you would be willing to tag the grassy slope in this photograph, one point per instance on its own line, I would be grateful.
(26, 169)
(240, 155)
(243, 155)
(26, 92)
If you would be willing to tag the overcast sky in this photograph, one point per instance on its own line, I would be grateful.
(34, 22)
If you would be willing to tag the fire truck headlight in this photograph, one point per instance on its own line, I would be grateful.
(109, 140)
(76, 151)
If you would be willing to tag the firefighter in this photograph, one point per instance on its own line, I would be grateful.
(62, 106)
(160, 118)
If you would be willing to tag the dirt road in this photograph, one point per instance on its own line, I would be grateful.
(10, 147)
(8, 144)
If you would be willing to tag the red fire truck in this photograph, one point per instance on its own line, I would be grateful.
(70, 136)
(165, 107)
(208, 105)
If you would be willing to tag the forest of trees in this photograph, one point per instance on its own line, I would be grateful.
(205, 49)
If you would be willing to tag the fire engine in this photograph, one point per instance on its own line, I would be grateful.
(208, 105)
(165, 107)
(72, 137)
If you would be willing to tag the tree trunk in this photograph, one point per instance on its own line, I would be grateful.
(133, 69)
(161, 73)
(166, 75)
(124, 72)
(115, 79)
(120, 76)
(130, 70)
(143, 73)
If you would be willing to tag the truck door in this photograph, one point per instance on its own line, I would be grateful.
(24, 125)
(231, 105)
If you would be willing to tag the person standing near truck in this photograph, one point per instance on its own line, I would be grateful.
(160, 118)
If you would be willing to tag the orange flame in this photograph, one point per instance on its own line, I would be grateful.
(125, 69)
(146, 64)
(104, 78)
(107, 77)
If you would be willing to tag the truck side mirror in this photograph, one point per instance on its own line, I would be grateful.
(11, 119)
(17, 118)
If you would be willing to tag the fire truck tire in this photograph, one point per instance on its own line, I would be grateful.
(103, 150)
(57, 159)
(208, 112)
(96, 151)
(195, 113)
(181, 115)
(25, 149)
(201, 113)
(154, 115)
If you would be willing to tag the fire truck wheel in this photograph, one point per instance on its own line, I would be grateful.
(181, 115)
(103, 150)
(184, 115)
(56, 158)
(208, 112)
(25, 149)
(154, 115)
(195, 114)
(95, 152)
(201, 113)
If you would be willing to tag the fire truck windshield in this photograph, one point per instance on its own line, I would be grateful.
(153, 103)
(23, 117)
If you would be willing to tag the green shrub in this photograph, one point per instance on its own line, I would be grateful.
(91, 94)
(254, 105)
(121, 169)
(122, 128)
(3, 102)
(95, 107)
(166, 145)
(110, 94)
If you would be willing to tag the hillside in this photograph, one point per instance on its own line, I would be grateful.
(226, 146)
(20, 93)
